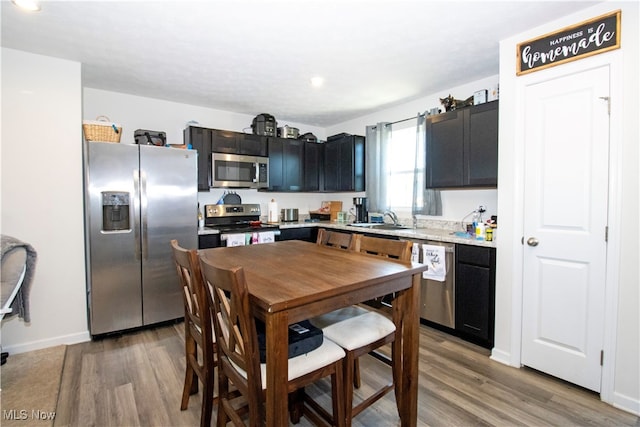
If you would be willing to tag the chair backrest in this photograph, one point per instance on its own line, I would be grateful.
(388, 248)
(234, 325)
(195, 299)
(336, 239)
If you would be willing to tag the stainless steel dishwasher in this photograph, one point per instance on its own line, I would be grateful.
(437, 298)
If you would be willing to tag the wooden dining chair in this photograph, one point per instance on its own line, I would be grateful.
(361, 331)
(198, 326)
(239, 362)
(336, 239)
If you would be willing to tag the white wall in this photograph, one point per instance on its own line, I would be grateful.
(42, 196)
(621, 370)
(455, 203)
(137, 112)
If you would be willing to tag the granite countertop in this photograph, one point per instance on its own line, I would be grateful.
(426, 233)
(437, 234)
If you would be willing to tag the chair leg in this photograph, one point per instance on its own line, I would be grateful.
(190, 376)
(396, 369)
(207, 401)
(356, 373)
(223, 395)
(296, 405)
(348, 382)
(188, 386)
(338, 398)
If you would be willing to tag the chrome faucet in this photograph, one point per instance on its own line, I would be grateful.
(393, 216)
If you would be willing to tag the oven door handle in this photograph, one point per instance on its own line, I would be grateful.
(223, 236)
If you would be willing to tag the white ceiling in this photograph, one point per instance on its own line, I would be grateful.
(257, 56)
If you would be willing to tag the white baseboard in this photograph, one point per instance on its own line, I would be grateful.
(49, 342)
(626, 403)
(501, 356)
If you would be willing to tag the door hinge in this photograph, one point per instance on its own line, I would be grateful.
(601, 357)
(606, 233)
(606, 98)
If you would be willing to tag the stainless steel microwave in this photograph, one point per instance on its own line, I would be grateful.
(238, 171)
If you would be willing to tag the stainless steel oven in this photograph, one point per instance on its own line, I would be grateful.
(239, 171)
(239, 224)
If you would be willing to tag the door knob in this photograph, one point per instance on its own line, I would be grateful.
(532, 241)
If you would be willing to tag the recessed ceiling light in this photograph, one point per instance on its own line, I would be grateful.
(29, 5)
(317, 81)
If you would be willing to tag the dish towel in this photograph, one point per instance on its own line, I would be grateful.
(266, 237)
(236, 239)
(433, 256)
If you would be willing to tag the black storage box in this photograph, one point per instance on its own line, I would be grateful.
(303, 338)
(150, 137)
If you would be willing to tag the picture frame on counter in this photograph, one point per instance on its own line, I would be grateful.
(594, 36)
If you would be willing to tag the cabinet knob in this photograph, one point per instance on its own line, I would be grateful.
(532, 241)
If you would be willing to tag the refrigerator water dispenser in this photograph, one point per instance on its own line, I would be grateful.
(115, 211)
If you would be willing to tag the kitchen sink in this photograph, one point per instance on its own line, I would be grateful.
(379, 226)
(389, 227)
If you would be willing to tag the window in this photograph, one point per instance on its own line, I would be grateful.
(401, 165)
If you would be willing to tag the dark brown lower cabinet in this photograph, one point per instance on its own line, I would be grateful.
(206, 241)
(308, 234)
(475, 293)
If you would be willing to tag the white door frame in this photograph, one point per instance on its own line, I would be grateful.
(614, 61)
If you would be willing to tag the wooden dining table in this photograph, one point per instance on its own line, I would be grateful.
(293, 280)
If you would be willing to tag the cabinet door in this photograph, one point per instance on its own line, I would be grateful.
(200, 140)
(481, 149)
(331, 165)
(286, 160)
(313, 166)
(444, 150)
(359, 179)
(472, 300)
(475, 293)
(308, 234)
(206, 241)
(344, 164)
(276, 164)
(225, 141)
(253, 145)
(293, 165)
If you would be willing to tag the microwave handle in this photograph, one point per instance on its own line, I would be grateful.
(256, 172)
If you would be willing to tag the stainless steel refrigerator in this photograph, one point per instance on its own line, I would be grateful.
(137, 198)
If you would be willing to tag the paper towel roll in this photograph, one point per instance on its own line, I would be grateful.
(273, 216)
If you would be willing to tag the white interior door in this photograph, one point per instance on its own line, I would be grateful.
(565, 204)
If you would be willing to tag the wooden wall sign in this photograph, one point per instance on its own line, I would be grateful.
(587, 38)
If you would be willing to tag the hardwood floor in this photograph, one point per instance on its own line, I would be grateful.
(136, 380)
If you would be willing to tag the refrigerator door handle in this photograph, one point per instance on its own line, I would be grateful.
(143, 214)
(136, 214)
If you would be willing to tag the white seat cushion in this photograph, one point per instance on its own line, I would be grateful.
(355, 331)
(328, 353)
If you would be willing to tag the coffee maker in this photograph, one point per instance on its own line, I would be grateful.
(360, 204)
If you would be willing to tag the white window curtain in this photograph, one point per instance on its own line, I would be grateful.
(377, 167)
(425, 201)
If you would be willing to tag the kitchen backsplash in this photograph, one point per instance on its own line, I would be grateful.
(455, 204)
